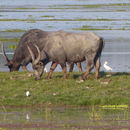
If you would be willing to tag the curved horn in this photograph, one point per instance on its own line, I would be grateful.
(39, 55)
(35, 61)
(4, 54)
(31, 53)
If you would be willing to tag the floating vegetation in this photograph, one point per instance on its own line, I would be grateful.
(92, 6)
(16, 20)
(14, 30)
(115, 106)
(88, 6)
(50, 26)
(34, 20)
(47, 16)
(25, 8)
(83, 28)
(101, 5)
(9, 39)
(12, 47)
(119, 4)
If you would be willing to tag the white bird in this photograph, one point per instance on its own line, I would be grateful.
(45, 69)
(28, 93)
(27, 117)
(108, 68)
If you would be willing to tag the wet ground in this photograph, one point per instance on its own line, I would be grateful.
(62, 118)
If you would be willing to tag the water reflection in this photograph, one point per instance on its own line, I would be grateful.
(64, 117)
(68, 15)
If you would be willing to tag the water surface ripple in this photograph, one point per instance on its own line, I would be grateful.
(109, 19)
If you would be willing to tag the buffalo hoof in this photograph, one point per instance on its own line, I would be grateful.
(81, 78)
(37, 78)
(97, 78)
(48, 78)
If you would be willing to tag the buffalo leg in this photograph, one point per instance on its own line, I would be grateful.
(53, 66)
(24, 68)
(90, 64)
(79, 66)
(97, 65)
(64, 69)
(89, 68)
(71, 65)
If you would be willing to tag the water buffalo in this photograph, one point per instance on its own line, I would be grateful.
(61, 47)
(21, 55)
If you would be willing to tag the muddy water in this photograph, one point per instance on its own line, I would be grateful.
(64, 118)
(109, 19)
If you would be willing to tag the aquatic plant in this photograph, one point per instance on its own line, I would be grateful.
(14, 30)
(9, 39)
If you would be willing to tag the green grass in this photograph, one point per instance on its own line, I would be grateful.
(113, 90)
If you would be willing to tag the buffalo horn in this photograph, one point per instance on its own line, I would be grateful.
(4, 54)
(31, 53)
(39, 56)
(35, 61)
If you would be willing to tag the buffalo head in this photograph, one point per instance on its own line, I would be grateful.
(10, 63)
(37, 65)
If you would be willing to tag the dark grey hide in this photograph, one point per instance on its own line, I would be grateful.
(61, 47)
(21, 55)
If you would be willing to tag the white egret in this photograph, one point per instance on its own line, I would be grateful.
(108, 68)
(45, 69)
(28, 93)
(27, 117)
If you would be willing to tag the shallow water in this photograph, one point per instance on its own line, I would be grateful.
(110, 21)
(64, 117)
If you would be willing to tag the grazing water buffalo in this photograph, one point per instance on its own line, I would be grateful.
(21, 55)
(61, 47)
